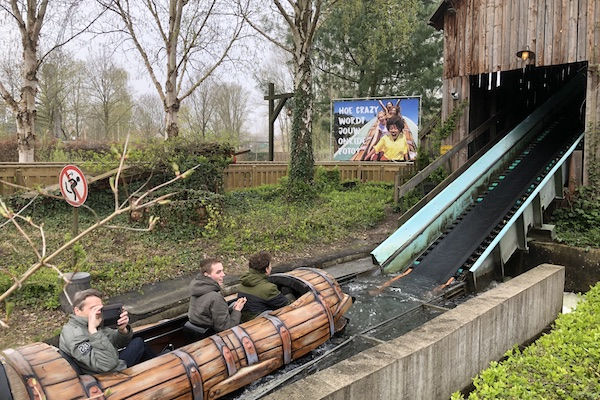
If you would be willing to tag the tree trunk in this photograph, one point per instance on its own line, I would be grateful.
(172, 120)
(27, 110)
(301, 152)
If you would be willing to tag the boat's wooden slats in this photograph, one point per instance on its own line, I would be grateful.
(163, 361)
(244, 377)
(193, 374)
(284, 334)
(212, 368)
(43, 357)
(225, 353)
(184, 397)
(66, 390)
(309, 338)
(54, 372)
(304, 329)
(205, 347)
(209, 384)
(247, 344)
(32, 348)
(235, 347)
(310, 347)
(150, 378)
(171, 389)
(20, 364)
(329, 279)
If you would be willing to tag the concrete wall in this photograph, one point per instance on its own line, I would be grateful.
(443, 355)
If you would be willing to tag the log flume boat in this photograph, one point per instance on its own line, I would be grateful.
(197, 369)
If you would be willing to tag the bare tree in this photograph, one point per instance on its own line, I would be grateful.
(302, 18)
(182, 38)
(148, 116)
(30, 16)
(110, 101)
(200, 110)
(231, 109)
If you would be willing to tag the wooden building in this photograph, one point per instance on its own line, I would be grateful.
(481, 42)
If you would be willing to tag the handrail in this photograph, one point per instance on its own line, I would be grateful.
(425, 172)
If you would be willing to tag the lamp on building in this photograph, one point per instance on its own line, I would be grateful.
(526, 54)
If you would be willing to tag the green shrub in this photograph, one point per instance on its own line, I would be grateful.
(579, 224)
(564, 364)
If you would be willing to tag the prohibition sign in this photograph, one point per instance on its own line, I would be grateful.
(73, 185)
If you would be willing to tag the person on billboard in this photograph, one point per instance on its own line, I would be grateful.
(376, 132)
(392, 146)
(412, 149)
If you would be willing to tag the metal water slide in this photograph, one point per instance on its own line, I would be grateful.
(474, 225)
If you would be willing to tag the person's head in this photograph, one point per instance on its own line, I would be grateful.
(381, 117)
(389, 105)
(393, 111)
(395, 126)
(213, 269)
(85, 300)
(260, 262)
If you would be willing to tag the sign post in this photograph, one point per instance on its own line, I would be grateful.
(74, 189)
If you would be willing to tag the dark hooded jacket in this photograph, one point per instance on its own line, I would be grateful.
(208, 308)
(261, 295)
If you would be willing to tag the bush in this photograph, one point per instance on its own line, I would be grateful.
(579, 224)
(564, 364)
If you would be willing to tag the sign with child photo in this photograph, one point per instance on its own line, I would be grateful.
(376, 129)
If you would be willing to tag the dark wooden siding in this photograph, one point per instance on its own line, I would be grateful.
(483, 36)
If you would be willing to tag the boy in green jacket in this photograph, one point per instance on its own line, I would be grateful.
(261, 295)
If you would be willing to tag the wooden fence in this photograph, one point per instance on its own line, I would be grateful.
(237, 176)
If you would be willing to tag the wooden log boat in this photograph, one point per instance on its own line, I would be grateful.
(204, 369)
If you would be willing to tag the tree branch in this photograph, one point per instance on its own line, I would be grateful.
(8, 98)
(286, 16)
(128, 23)
(266, 36)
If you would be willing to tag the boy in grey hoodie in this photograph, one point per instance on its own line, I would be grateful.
(208, 309)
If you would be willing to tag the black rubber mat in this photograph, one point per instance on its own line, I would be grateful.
(453, 249)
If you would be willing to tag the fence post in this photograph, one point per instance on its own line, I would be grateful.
(396, 187)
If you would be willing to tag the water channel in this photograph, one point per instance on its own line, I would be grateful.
(375, 317)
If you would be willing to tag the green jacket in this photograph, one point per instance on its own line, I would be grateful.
(208, 308)
(261, 294)
(93, 353)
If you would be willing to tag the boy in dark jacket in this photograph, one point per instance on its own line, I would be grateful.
(208, 309)
(261, 294)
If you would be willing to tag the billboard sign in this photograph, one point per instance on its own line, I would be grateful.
(360, 129)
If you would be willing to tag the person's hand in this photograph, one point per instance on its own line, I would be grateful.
(239, 304)
(94, 318)
(123, 321)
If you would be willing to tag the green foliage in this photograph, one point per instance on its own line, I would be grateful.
(564, 364)
(579, 224)
(42, 289)
(119, 277)
(444, 130)
(261, 218)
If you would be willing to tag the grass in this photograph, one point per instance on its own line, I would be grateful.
(242, 222)
(579, 223)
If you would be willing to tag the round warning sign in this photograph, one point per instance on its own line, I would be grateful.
(73, 185)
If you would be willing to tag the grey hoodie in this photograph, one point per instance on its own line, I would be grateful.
(93, 353)
(208, 308)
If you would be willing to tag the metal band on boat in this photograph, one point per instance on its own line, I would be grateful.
(284, 334)
(319, 299)
(323, 275)
(21, 365)
(191, 369)
(247, 344)
(226, 353)
(92, 387)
